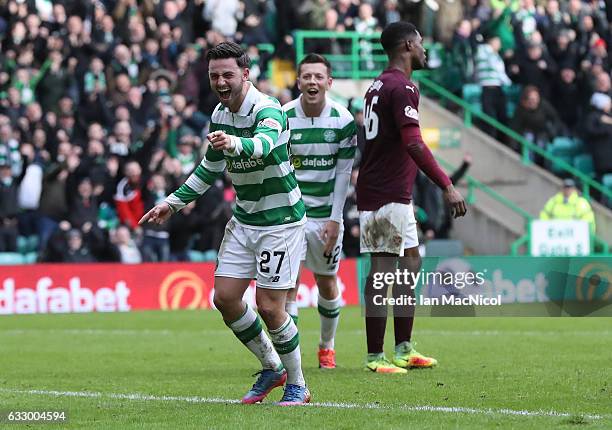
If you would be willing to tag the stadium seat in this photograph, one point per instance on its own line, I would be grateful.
(210, 255)
(444, 248)
(23, 244)
(584, 163)
(581, 148)
(27, 244)
(30, 258)
(607, 182)
(199, 256)
(565, 146)
(472, 93)
(11, 258)
(510, 108)
(196, 256)
(513, 93)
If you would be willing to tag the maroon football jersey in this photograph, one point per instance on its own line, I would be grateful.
(387, 172)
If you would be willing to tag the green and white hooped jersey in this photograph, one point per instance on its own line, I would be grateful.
(267, 193)
(316, 146)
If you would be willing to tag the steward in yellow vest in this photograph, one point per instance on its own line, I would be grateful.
(568, 205)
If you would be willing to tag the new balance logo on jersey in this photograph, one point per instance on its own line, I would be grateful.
(237, 165)
(411, 112)
(296, 136)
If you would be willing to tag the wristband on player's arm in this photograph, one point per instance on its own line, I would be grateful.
(173, 210)
(422, 156)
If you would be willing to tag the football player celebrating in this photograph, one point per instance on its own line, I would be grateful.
(323, 144)
(249, 136)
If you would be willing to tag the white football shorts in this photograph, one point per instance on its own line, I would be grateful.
(391, 228)
(313, 249)
(271, 256)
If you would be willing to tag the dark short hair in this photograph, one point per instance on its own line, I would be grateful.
(395, 33)
(314, 59)
(229, 50)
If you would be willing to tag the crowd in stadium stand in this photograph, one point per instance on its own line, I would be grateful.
(104, 105)
(557, 52)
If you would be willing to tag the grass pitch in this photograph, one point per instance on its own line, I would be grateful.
(148, 370)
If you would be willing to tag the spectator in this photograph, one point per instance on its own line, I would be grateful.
(536, 120)
(564, 51)
(463, 49)
(128, 197)
(568, 205)
(84, 206)
(535, 68)
(30, 189)
(491, 76)
(222, 15)
(428, 197)
(567, 91)
(598, 131)
(181, 229)
(128, 250)
(8, 208)
(347, 12)
(156, 239)
(76, 250)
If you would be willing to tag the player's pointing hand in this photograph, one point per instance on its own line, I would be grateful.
(157, 215)
(220, 141)
(455, 200)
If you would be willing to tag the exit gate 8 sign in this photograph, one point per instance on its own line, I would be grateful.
(560, 238)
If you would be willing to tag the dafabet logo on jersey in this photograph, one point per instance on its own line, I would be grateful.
(183, 289)
(237, 165)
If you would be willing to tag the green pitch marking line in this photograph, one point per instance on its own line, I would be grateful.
(139, 397)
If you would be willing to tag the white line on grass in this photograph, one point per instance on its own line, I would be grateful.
(168, 332)
(335, 405)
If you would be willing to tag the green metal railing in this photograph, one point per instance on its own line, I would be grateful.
(356, 71)
(364, 59)
(598, 246)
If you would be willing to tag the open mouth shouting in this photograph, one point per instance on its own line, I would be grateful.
(224, 93)
(312, 92)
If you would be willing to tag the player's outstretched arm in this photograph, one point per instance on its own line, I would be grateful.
(267, 136)
(159, 214)
(203, 177)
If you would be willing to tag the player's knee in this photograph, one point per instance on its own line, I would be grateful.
(220, 300)
(268, 311)
(411, 260)
(327, 286)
